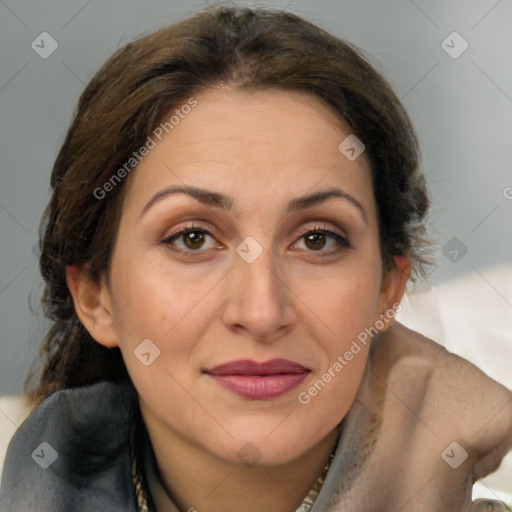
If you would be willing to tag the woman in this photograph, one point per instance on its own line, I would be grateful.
(236, 210)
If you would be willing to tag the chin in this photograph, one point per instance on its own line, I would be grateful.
(262, 443)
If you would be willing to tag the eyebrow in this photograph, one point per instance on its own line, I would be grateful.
(218, 200)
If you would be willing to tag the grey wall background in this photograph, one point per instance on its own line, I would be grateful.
(461, 107)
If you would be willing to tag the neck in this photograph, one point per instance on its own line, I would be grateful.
(190, 478)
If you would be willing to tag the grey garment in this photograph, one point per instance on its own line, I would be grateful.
(73, 453)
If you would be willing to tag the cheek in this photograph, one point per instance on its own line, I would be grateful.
(160, 315)
(334, 388)
(154, 303)
(164, 318)
(349, 308)
(347, 302)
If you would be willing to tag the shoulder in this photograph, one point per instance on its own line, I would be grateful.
(424, 426)
(75, 441)
(456, 399)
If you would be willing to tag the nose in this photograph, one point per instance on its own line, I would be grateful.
(259, 302)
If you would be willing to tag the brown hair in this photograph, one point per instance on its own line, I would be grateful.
(142, 82)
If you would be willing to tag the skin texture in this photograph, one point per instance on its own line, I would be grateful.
(204, 306)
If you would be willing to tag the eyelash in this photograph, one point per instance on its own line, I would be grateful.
(341, 240)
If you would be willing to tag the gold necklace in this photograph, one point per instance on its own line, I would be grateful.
(313, 492)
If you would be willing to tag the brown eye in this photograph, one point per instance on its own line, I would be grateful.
(193, 239)
(315, 240)
(190, 239)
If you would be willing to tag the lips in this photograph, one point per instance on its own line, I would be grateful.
(259, 381)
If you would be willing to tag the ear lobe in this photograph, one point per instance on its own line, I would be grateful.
(403, 263)
(92, 304)
(393, 288)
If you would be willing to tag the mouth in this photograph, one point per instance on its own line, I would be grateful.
(259, 381)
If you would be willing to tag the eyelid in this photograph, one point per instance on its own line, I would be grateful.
(186, 227)
(323, 225)
(332, 233)
(176, 234)
(304, 229)
(341, 239)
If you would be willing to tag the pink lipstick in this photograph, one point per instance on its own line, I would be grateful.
(259, 381)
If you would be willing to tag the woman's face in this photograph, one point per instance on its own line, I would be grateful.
(249, 281)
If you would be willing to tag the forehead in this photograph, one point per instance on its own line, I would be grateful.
(242, 141)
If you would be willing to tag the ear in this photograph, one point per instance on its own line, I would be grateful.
(392, 291)
(93, 304)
